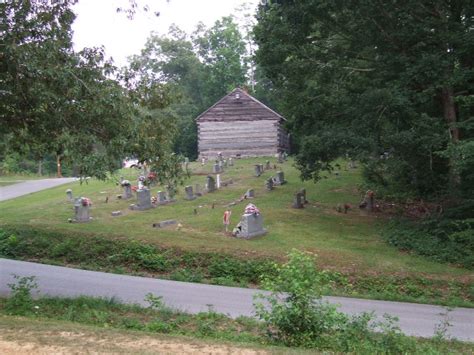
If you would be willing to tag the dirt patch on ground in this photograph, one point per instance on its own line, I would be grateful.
(71, 342)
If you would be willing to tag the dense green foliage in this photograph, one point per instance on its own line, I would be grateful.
(366, 78)
(198, 70)
(57, 101)
(295, 314)
(448, 240)
(139, 258)
(390, 84)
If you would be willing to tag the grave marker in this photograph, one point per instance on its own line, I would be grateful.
(69, 196)
(298, 200)
(189, 193)
(210, 184)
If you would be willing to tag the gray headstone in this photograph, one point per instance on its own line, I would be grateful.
(186, 160)
(250, 193)
(189, 193)
(303, 193)
(250, 226)
(127, 191)
(269, 184)
(225, 163)
(143, 200)
(216, 169)
(368, 203)
(116, 213)
(218, 181)
(210, 184)
(280, 178)
(197, 190)
(162, 224)
(298, 200)
(280, 158)
(69, 195)
(161, 198)
(81, 212)
(257, 170)
(231, 162)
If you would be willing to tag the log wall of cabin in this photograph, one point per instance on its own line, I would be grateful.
(247, 138)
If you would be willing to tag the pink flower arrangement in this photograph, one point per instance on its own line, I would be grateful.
(86, 201)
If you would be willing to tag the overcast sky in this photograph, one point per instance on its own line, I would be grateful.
(98, 23)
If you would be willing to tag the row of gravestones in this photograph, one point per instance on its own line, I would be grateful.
(219, 165)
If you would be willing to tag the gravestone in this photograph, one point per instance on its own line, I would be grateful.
(225, 163)
(267, 165)
(269, 184)
(161, 198)
(203, 161)
(189, 193)
(280, 178)
(143, 200)
(198, 191)
(170, 193)
(298, 200)
(116, 213)
(280, 158)
(69, 195)
(250, 193)
(303, 192)
(166, 223)
(367, 203)
(221, 166)
(218, 181)
(186, 160)
(258, 172)
(82, 210)
(127, 189)
(231, 162)
(210, 184)
(216, 168)
(250, 226)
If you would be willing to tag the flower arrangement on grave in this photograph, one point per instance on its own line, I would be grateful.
(154, 200)
(134, 188)
(151, 178)
(251, 209)
(86, 201)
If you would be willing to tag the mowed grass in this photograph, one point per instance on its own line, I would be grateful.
(346, 242)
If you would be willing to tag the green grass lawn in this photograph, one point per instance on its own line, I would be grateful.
(345, 242)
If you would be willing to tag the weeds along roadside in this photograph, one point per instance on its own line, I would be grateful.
(338, 333)
(131, 257)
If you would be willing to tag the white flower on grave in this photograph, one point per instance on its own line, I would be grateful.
(36, 307)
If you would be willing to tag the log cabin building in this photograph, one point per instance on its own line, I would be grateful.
(240, 125)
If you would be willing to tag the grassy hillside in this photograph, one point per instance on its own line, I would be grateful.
(344, 242)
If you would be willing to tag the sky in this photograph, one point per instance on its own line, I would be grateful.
(98, 23)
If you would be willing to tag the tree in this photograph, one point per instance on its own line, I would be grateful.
(196, 71)
(368, 77)
(57, 100)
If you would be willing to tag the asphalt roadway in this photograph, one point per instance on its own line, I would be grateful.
(414, 319)
(28, 187)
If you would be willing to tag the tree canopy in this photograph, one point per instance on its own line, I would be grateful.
(367, 77)
(54, 99)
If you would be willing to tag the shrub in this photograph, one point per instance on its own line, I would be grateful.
(20, 301)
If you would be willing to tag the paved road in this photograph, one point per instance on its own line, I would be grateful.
(28, 187)
(415, 319)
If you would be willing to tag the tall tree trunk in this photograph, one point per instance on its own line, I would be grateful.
(40, 167)
(58, 161)
(449, 109)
